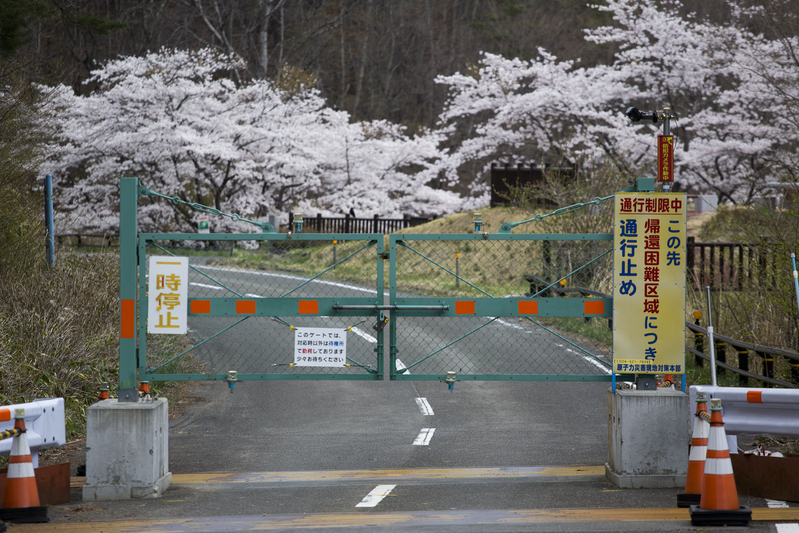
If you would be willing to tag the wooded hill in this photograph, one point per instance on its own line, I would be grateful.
(376, 59)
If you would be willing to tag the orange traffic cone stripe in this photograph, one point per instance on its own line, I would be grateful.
(719, 492)
(696, 458)
(21, 490)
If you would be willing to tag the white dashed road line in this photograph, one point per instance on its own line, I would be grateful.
(424, 406)
(376, 496)
(423, 439)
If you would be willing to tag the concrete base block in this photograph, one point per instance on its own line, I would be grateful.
(127, 450)
(654, 481)
(648, 438)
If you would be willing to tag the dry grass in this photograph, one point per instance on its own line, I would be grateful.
(58, 333)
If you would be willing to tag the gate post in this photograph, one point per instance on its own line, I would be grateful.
(127, 441)
(128, 231)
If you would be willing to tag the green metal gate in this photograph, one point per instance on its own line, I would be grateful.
(501, 307)
(461, 306)
(247, 295)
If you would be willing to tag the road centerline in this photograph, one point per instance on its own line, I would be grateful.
(424, 406)
(376, 496)
(424, 437)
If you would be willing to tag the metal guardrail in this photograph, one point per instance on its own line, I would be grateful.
(772, 412)
(44, 421)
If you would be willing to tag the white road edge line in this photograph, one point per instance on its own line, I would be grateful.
(286, 276)
(423, 439)
(206, 286)
(424, 406)
(376, 496)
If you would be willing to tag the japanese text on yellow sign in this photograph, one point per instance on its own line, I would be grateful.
(649, 283)
(168, 281)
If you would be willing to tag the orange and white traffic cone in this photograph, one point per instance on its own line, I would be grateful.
(719, 503)
(21, 500)
(144, 390)
(104, 391)
(696, 459)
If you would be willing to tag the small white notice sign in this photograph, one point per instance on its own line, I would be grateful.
(202, 224)
(320, 347)
(168, 295)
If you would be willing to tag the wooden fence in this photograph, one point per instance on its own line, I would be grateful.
(350, 224)
(729, 265)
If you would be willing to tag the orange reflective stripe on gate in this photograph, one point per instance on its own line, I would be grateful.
(128, 324)
(5, 415)
(308, 307)
(595, 307)
(464, 308)
(528, 308)
(201, 306)
(245, 307)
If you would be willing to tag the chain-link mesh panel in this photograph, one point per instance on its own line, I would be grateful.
(514, 267)
(280, 272)
(485, 346)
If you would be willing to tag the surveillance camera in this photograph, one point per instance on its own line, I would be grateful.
(635, 115)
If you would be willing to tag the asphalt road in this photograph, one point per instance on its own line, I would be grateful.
(388, 456)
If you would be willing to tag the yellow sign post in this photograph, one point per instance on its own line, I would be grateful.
(649, 257)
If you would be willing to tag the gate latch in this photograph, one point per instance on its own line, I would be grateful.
(232, 378)
(451, 379)
(381, 322)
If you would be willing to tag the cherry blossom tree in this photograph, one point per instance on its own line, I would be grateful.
(175, 121)
(733, 133)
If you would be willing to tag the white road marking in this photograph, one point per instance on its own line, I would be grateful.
(590, 360)
(401, 366)
(376, 496)
(782, 528)
(362, 333)
(287, 276)
(214, 287)
(251, 295)
(776, 504)
(424, 406)
(423, 439)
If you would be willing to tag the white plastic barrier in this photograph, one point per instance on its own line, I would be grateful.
(44, 421)
(772, 412)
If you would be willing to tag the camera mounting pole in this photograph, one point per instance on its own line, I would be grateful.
(665, 146)
(666, 115)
